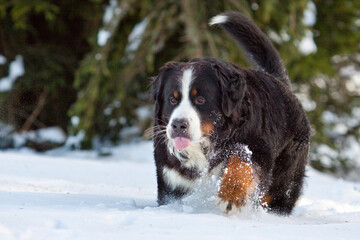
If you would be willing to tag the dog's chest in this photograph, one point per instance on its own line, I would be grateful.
(193, 172)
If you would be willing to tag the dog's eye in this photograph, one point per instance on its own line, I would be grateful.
(199, 100)
(173, 101)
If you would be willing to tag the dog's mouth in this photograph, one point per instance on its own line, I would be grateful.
(181, 142)
(185, 148)
(180, 139)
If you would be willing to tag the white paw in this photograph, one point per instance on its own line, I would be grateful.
(229, 207)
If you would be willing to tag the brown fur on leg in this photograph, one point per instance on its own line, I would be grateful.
(265, 201)
(237, 184)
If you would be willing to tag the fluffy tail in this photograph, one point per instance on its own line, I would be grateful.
(255, 43)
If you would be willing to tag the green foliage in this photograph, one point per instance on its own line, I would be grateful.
(336, 34)
(175, 30)
(52, 38)
(104, 83)
(20, 11)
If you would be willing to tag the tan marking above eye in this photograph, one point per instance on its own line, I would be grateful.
(194, 92)
(176, 94)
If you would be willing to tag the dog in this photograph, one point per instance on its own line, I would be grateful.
(242, 126)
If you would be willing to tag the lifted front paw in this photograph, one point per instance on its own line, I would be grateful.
(237, 184)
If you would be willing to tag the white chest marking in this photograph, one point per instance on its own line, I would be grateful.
(175, 180)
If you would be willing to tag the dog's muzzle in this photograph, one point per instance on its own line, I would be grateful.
(180, 133)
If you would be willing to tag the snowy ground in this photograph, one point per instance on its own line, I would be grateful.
(74, 195)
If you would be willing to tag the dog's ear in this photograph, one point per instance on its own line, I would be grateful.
(233, 96)
(233, 88)
(158, 81)
(156, 86)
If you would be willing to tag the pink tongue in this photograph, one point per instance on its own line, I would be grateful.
(181, 143)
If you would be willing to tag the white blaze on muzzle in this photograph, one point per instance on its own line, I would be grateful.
(185, 110)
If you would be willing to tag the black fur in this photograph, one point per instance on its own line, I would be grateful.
(253, 107)
(258, 47)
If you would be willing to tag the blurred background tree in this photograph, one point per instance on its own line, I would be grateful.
(52, 38)
(88, 62)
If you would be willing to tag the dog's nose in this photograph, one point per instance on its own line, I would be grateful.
(180, 125)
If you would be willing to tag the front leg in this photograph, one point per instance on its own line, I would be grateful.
(237, 184)
(172, 185)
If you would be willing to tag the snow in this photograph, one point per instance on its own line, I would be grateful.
(144, 112)
(103, 36)
(307, 103)
(75, 120)
(2, 59)
(110, 10)
(51, 134)
(309, 18)
(77, 195)
(254, 6)
(274, 36)
(353, 74)
(279, 38)
(18, 140)
(307, 44)
(326, 154)
(350, 147)
(135, 36)
(352, 151)
(16, 69)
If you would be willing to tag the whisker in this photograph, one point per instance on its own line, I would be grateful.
(161, 140)
(155, 127)
(150, 134)
(162, 121)
(154, 131)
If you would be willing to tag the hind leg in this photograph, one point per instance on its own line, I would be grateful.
(288, 177)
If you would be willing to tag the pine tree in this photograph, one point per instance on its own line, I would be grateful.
(113, 79)
(51, 37)
(93, 59)
(326, 75)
